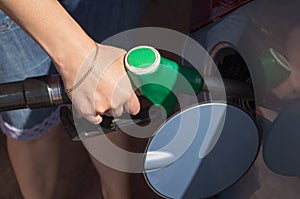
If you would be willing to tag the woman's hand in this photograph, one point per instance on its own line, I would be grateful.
(101, 85)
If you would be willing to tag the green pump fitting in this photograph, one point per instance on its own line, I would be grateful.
(276, 68)
(158, 78)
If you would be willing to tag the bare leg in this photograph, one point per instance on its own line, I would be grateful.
(114, 184)
(36, 164)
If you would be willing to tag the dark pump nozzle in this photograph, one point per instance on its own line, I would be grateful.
(156, 77)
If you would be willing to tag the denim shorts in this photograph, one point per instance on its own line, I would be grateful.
(21, 57)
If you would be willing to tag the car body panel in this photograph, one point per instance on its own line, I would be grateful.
(266, 33)
(206, 11)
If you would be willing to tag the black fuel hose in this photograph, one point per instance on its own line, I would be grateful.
(33, 93)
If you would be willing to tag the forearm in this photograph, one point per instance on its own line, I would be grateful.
(71, 49)
(53, 28)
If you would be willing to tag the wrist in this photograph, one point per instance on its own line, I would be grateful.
(69, 56)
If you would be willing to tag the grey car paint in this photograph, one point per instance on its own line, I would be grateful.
(266, 33)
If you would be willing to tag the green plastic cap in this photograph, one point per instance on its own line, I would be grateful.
(142, 60)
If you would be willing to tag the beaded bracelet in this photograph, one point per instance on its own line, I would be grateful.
(86, 74)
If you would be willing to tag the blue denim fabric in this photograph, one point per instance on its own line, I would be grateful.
(21, 57)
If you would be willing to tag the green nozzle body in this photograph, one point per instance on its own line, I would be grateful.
(160, 79)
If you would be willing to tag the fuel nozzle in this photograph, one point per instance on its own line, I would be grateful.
(160, 79)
